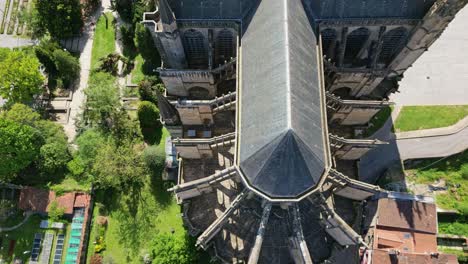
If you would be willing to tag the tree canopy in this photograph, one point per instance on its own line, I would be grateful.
(118, 167)
(103, 98)
(21, 79)
(171, 248)
(50, 154)
(19, 147)
(62, 18)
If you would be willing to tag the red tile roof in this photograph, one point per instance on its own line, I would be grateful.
(32, 199)
(407, 214)
(38, 200)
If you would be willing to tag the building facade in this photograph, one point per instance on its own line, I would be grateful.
(261, 96)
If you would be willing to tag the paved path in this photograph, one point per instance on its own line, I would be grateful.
(415, 145)
(86, 46)
(440, 75)
(13, 41)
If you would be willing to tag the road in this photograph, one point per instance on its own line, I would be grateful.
(376, 161)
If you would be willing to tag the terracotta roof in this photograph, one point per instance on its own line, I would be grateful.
(38, 200)
(82, 200)
(405, 241)
(32, 199)
(407, 214)
(65, 201)
(383, 257)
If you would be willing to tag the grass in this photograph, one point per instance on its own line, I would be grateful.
(24, 236)
(137, 73)
(454, 170)
(135, 217)
(104, 39)
(425, 117)
(379, 120)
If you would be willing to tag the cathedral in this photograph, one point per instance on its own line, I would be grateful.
(264, 102)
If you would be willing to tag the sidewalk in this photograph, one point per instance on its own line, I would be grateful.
(85, 62)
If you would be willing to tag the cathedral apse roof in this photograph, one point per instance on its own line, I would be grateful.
(282, 149)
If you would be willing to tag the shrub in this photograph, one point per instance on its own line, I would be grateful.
(127, 36)
(68, 67)
(154, 157)
(148, 114)
(464, 171)
(55, 212)
(168, 249)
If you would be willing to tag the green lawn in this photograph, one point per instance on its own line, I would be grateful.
(104, 39)
(137, 72)
(24, 237)
(425, 117)
(379, 120)
(136, 216)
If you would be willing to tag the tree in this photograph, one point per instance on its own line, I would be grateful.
(148, 114)
(45, 53)
(53, 158)
(149, 88)
(19, 147)
(54, 154)
(55, 211)
(62, 18)
(21, 79)
(68, 67)
(118, 167)
(169, 248)
(103, 98)
(154, 157)
(89, 144)
(22, 114)
(109, 63)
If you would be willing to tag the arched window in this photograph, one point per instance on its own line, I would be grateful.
(328, 40)
(392, 42)
(197, 92)
(354, 43)
(224, 46)
(195, 50)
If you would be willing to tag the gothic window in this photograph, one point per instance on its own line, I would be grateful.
(224, 46)
(195, 50)
(328, 39)
(354, 44)
(197, 92)
(392, 42)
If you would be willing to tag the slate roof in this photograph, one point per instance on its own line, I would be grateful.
(317, 9)
(334, 9)
(212, 9)
(281, 129)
